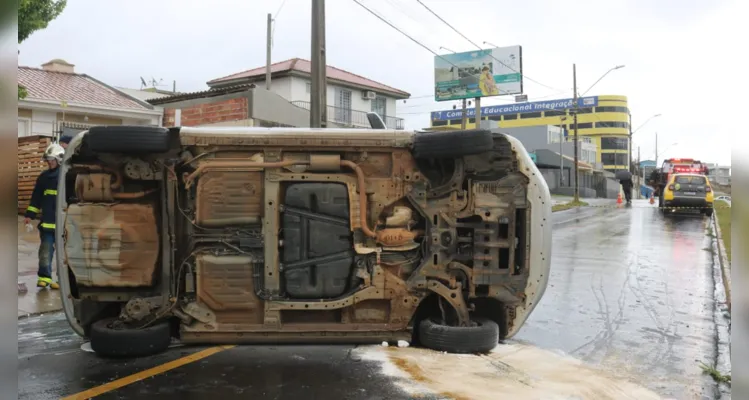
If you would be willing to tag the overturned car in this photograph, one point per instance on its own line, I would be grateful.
(277, 235)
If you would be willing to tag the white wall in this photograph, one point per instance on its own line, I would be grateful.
(43, 122)
(280, 86)
(298, 92)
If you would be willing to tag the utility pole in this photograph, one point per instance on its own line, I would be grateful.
(318, 101)
(464, 120)
(561, 158)
(576, 109)
(640, 175)
(267, 52)
(656, 149)
(631, 169)
(477, 120)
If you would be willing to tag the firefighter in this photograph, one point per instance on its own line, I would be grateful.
(44, 201)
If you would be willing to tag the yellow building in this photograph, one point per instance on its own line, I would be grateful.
(603, 119)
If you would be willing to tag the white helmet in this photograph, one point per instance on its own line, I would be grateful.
(54, 151)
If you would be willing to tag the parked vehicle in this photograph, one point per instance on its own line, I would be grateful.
(253, 235)
(659, 178)
(689, 191)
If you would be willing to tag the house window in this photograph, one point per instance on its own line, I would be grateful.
(510, 116)
(24, 127)
(608, 159)
(614, 143)
(379, 106)
(554, 113)
(343, 105)
(612, 124)
(584, 125)
(308, 87)
(612, 109)
(530, 115)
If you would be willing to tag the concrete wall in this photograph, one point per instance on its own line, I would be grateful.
(270, 106)
(246, 108)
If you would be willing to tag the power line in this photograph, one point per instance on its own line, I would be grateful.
(479, 47)
(273, 33)
(402, 33)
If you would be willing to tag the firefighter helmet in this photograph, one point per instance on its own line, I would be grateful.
(54, 152)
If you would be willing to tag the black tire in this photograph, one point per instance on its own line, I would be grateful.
(128, 139)
(480, 338)
(118, 343)
(452, 143)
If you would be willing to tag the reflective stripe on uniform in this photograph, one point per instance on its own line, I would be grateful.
(52, 192)
(48, 226)
(47, 280)
(33, 209)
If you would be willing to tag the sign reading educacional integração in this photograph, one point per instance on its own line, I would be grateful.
(516, 108)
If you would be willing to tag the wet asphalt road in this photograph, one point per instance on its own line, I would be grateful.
(631, 292)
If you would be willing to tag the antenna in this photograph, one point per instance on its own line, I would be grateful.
(142, 83)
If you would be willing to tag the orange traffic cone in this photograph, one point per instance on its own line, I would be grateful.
(619, 198)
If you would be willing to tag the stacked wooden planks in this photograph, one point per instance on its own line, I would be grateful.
(30, 165)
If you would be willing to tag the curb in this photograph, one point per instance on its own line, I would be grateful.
(37, 313)
(725, 266)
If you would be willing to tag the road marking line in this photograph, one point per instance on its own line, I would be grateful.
(159, 369)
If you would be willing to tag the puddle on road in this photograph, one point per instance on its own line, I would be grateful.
(516, 371)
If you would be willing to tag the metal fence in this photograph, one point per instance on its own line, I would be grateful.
(352, 118)
(66, 128)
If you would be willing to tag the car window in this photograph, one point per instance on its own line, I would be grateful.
(694, 180)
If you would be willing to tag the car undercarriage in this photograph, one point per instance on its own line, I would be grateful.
(245, 235)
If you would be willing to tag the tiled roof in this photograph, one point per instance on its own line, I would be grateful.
(74, 88)
(304, 66)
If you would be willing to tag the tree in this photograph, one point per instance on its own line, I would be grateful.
(34, 15)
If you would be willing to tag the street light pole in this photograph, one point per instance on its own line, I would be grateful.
(576, 197)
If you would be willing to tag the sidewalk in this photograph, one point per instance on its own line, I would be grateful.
(35, 300)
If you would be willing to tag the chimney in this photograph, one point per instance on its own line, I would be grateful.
(59, 65)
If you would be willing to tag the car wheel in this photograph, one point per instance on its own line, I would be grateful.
(482, 337)
(452, 143)
(109, 341)
(128, 139)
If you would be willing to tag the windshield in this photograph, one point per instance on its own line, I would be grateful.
(693, 180)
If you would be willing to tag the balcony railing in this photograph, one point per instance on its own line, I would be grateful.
(352, 118)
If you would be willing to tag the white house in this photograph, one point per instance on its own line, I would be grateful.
(61, 101)
(349, 96)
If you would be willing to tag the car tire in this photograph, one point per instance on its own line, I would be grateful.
(480, 338)
(120, 343)
(452, 143)
(128, 139)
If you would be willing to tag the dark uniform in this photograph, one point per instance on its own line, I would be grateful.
(44, 201)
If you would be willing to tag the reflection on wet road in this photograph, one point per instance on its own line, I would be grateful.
(631, 291)
(630, 295)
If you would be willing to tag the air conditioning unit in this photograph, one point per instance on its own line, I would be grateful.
(368, 95)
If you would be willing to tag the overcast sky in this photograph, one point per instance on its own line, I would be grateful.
(680, 55)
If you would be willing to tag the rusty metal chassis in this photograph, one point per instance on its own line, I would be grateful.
(404, 296)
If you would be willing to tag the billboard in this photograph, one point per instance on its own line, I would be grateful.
(480, 73)
(517, 108)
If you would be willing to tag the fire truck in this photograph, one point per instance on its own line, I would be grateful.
(659, 177)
